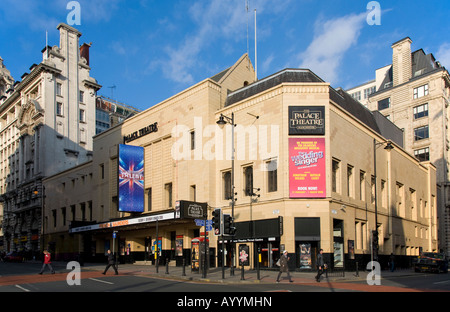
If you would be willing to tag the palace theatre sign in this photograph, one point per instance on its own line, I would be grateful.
(140, 133)
(304, 120)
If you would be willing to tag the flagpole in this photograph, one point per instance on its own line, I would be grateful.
(256, 52)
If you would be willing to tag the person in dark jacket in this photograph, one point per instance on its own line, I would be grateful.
(320, 265)
(284, 268)
(111, 263)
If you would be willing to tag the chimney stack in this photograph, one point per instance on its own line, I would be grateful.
(401, 61)
(84, 52)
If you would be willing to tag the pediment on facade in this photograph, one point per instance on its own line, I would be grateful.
(30, 116)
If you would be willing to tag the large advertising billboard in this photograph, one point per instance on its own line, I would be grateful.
(131, 178)
(307, 168)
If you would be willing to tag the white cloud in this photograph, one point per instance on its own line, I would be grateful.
(215, 20)
(266, 65)
(332, 39)
(98, 10)
(443, 54)
(27, 12)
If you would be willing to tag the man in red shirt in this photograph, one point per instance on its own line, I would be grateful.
(47, 261)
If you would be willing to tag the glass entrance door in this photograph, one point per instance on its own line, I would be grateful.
(270, 253)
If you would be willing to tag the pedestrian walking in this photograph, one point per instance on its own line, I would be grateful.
(321, 266)
(284, 268)
(111, 263)
(47, 262)
(392, 262)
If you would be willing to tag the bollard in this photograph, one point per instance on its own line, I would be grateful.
(184, 268)
(357, 271)
(242, 273)
(167, 266)
(258, 274)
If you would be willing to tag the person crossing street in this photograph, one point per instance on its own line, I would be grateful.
(47, 262)
(111, 263)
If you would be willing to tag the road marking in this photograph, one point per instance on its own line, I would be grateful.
(24, 289)
(97, 280)
(443, 282)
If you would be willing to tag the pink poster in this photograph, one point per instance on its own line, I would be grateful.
(307, 168)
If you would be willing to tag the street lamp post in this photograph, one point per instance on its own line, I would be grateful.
(223, 120)
(388, 147)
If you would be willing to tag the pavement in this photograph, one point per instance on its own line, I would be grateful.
(215, 275)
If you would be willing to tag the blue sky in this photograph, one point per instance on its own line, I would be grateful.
(150, 50)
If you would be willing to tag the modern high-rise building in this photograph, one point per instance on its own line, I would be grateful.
(414, 93)
(47, 122)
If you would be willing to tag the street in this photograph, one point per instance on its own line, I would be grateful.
(23, 277)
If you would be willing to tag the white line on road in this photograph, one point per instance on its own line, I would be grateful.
(24, 289)
(97, 280)
(443, 282)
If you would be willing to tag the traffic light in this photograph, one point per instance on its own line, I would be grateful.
(228, 228)
(217, 221)
(375, 239)
(375, 245)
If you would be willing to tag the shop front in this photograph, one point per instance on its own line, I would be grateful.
(307, 242)
(262, 237)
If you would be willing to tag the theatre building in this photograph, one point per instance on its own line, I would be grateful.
(311, 169)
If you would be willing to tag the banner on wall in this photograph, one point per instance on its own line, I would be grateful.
(307, 168)
(131, 178)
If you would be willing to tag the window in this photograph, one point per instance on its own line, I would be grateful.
(82, 115)
(192, 140)
(82, 96)
(59, 109)
(369, 91)
(421, 133)
(193, 193)
(54, 217)
(83, 211)
(149, 199)
(168, 195)
(422, 154)
(350, 184)
(420, 91)
(63, 215)
(248, 180)
(372, 187)
(421, 111)
(83, 136)
(335, 176)
(272, 176)
(226, 180)
(412, 196)
(384, 202)
(360, 235)
(90, 210)
(399, 190)
(58, 89)
(383, 104)
(73, 212)
(357, 96)
(362, 185)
